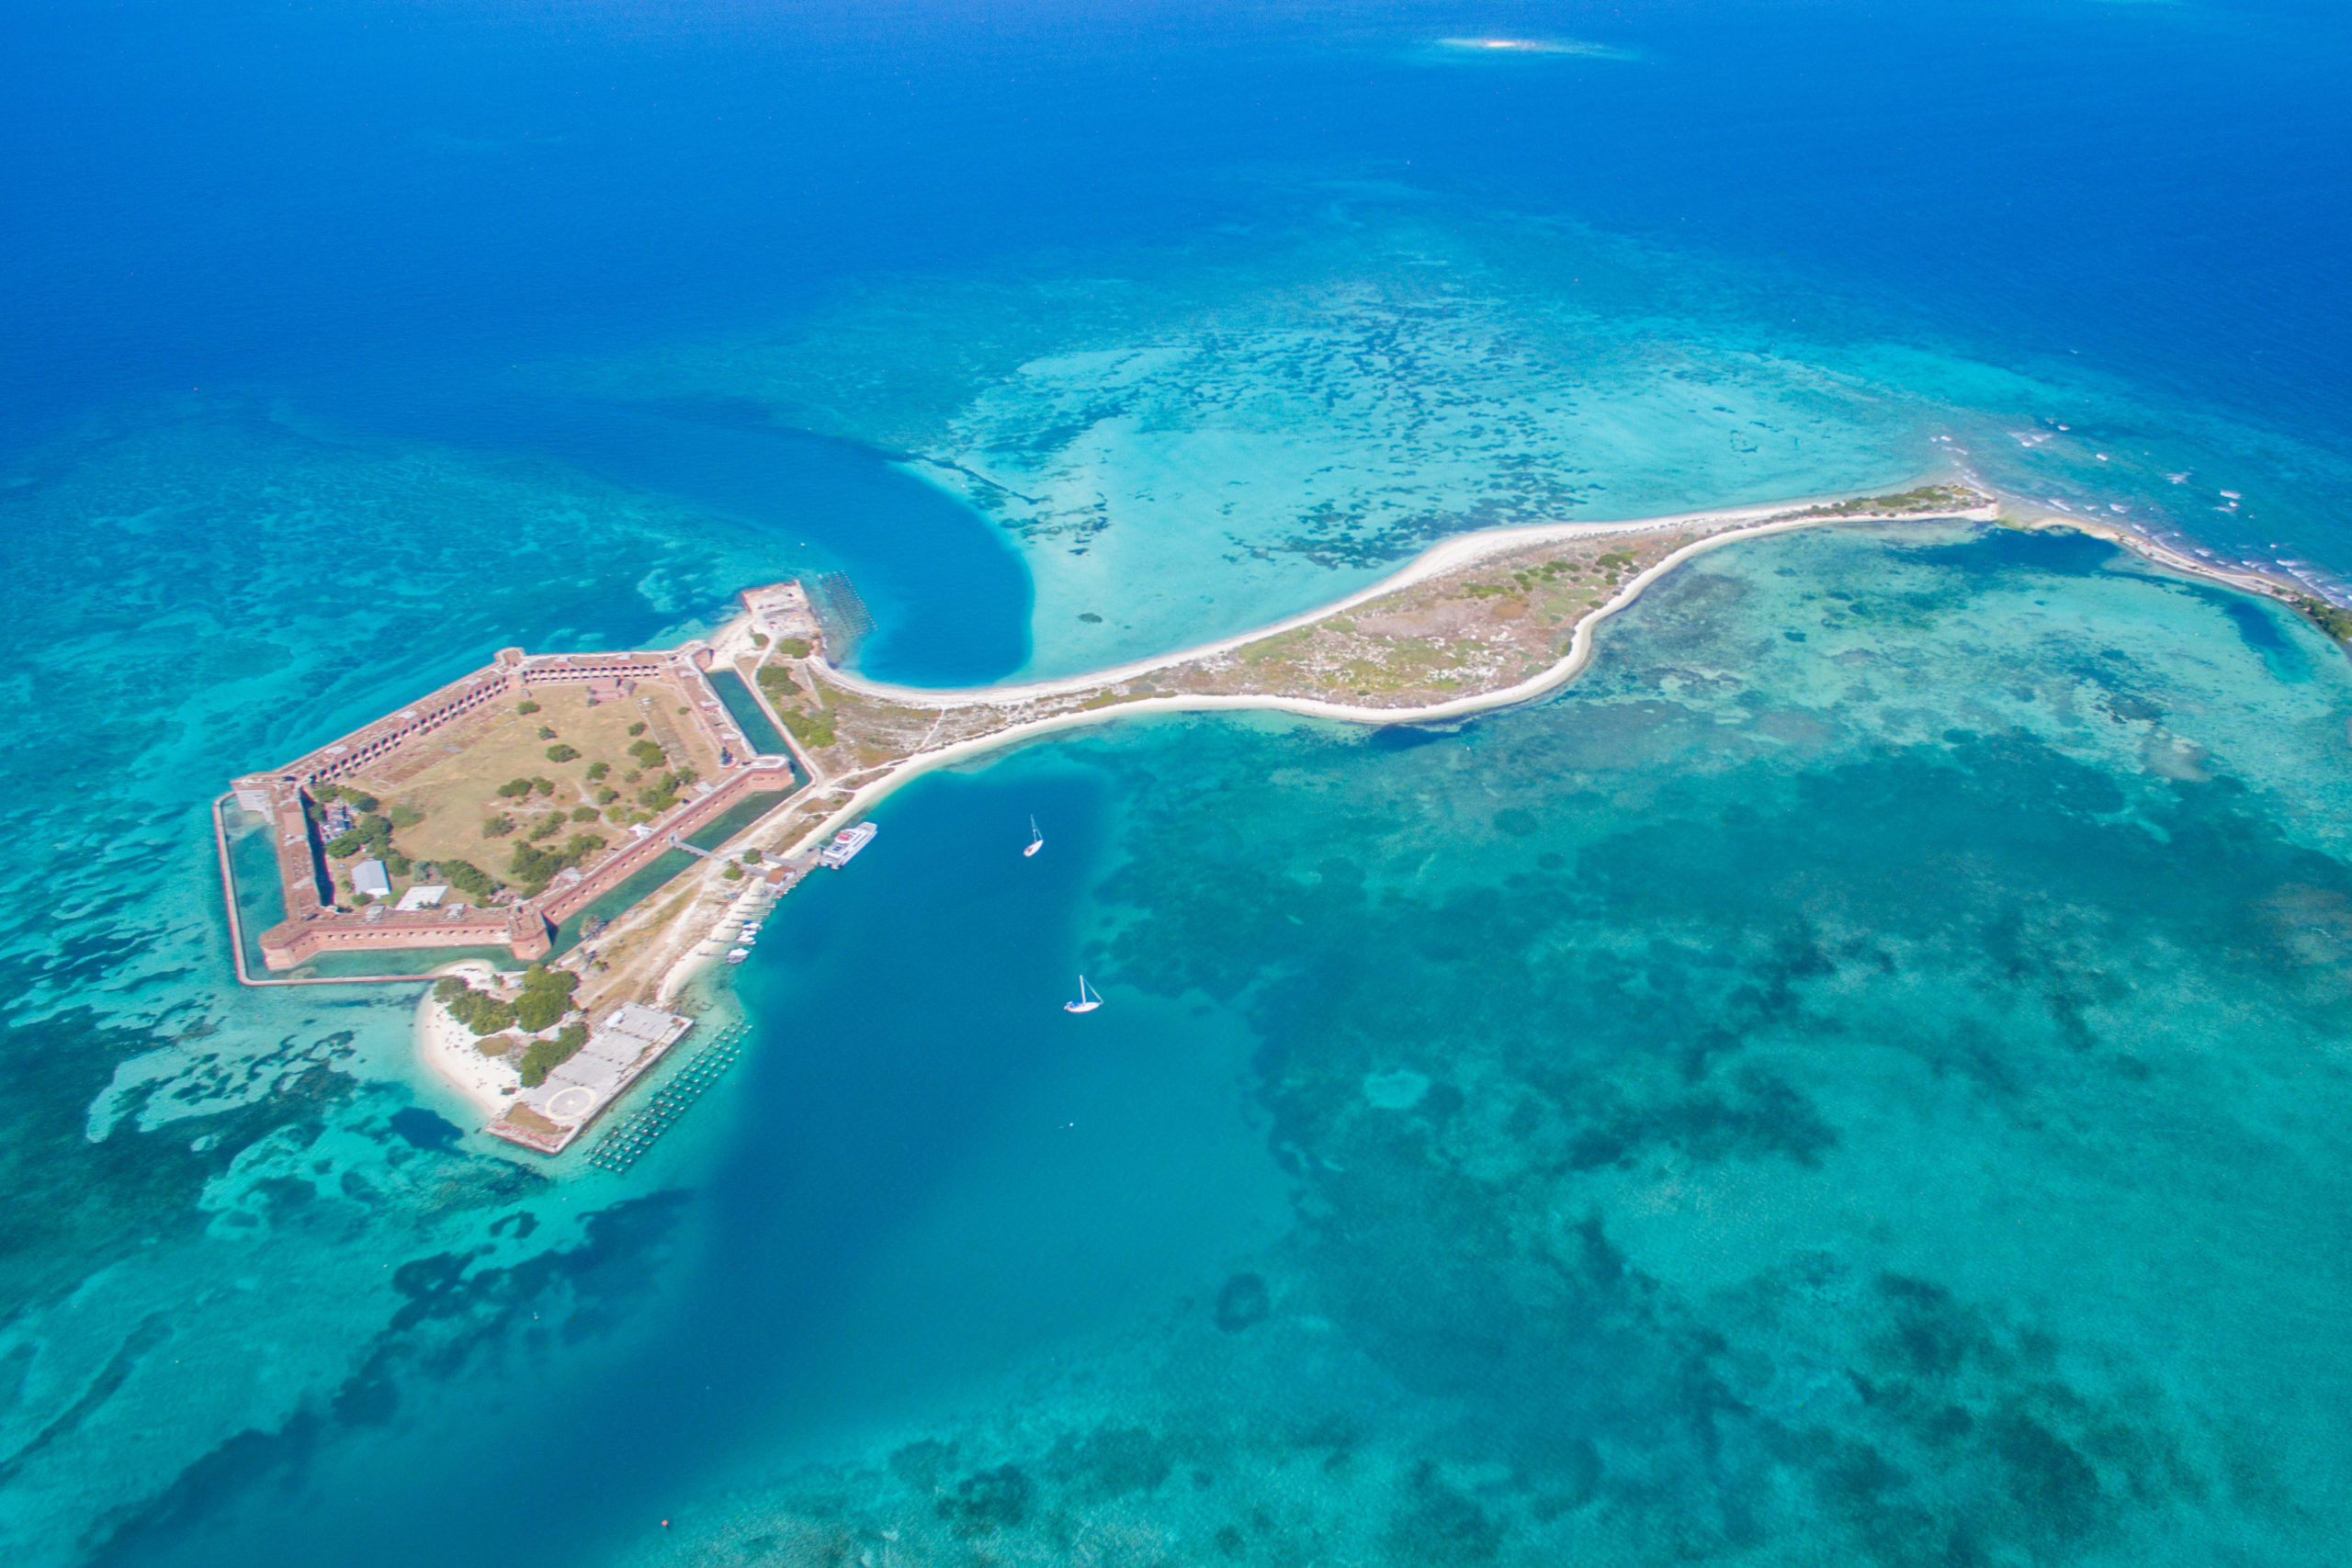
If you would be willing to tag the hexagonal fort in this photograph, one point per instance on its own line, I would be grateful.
(490, 811)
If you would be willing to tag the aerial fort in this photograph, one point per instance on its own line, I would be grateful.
(490, 811)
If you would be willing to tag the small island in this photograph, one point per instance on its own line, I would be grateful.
(537, 824)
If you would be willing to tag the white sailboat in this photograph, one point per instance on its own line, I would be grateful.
(1037, 840)
(1088, 999)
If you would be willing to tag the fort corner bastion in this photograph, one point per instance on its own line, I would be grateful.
(490, 811)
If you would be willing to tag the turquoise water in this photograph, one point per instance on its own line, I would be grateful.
(1843, 1079)
(1859, 1077)
(1842, 1083)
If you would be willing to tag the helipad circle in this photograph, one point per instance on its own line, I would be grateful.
(570, 1104)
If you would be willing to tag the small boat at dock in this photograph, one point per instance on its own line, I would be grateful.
(1087, 998)
(845, 845)
(737, 955)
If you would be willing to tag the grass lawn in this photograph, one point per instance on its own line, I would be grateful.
(451, 778)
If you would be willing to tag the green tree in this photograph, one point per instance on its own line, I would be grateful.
(477, 1010)
(534, 1010)
(497, 826)
(544, 998)
(544, 1056)
(515, 789)
(598, 770)
(468, 878)
(545, 787)
(637, 729)
(560, 752)
(545, 733)
(526, 708)
(732, 872)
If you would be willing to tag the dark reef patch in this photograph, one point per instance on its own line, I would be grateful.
(424, 1129)
(449, 1316)
(988, 1500)
(1243, 1300)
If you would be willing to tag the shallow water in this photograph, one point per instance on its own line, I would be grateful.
(1848, 1095)
(1842, 1079)
(1857, 1077)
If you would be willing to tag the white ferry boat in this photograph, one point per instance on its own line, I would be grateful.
(845, 845)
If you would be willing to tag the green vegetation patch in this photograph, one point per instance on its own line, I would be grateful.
(371, 832)
(545, 997)
(1927, 498)
(533, 868)
(477, 1010)
(663, 794)
(2333, 619)
(468, 878)
(544, 1056)
(814, 730)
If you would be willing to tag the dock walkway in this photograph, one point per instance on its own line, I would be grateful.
(627, 1143)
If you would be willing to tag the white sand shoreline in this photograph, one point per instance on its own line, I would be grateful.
(1449, 554)
(447, 1047)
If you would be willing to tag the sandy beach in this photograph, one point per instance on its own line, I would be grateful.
(1749, 523)
(448, 1047)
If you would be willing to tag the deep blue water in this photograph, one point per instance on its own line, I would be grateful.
(950, 600)
(1944, 938)
(231, 192)
(937, 1171)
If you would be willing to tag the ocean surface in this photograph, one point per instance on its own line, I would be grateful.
(1862, 1075)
